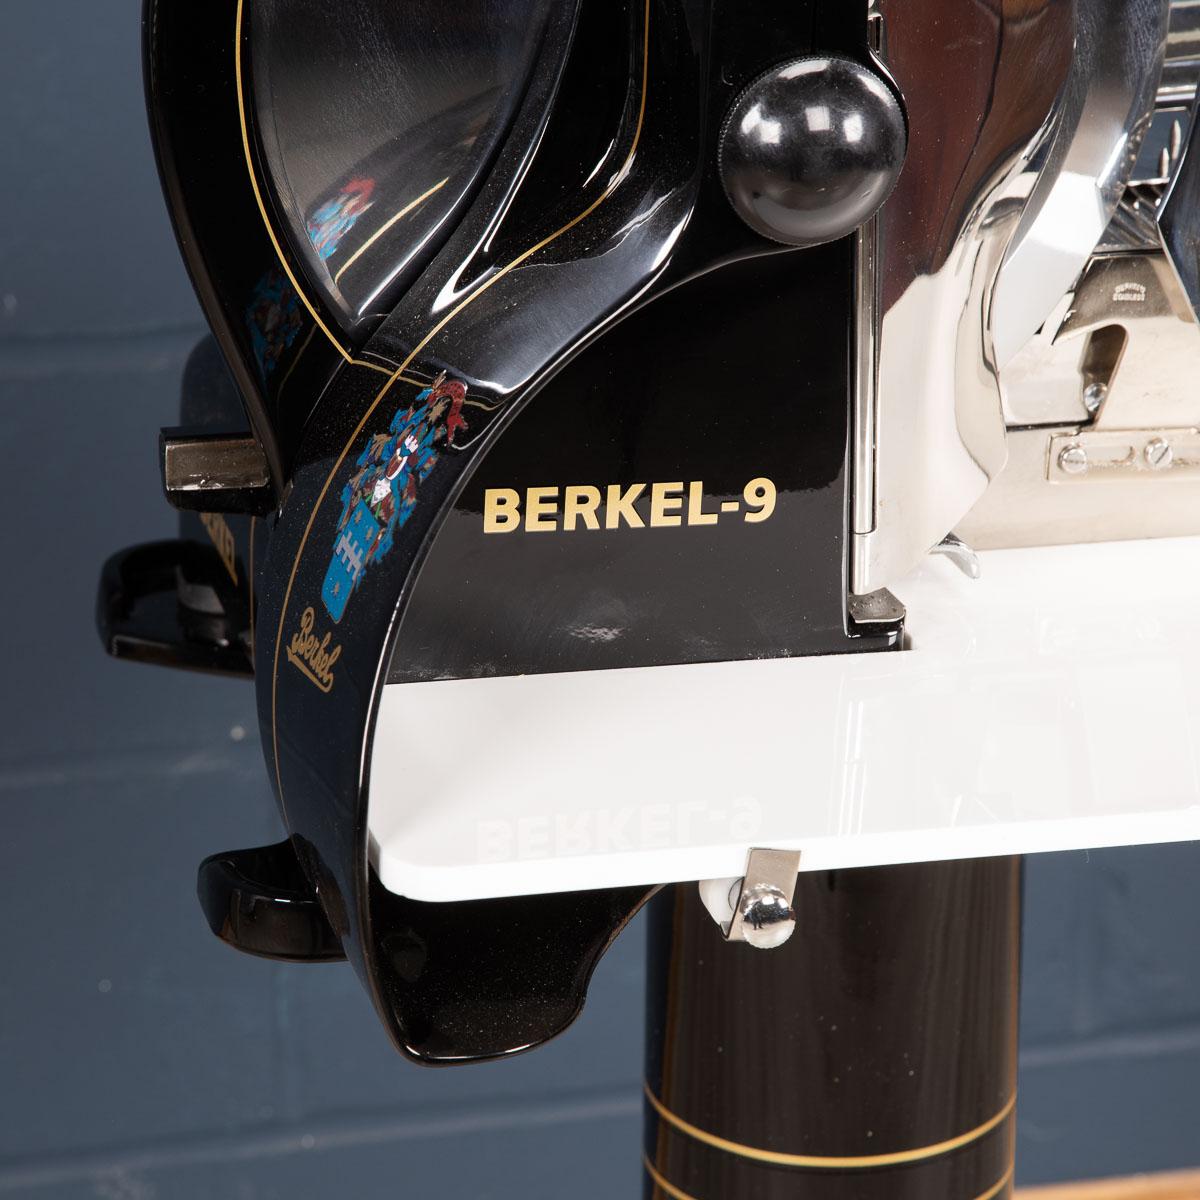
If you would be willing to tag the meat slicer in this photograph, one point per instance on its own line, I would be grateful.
(734, 456)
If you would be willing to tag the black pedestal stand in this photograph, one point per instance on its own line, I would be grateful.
(872, 1057)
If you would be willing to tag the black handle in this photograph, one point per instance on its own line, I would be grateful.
(260, 901)
(141, 612)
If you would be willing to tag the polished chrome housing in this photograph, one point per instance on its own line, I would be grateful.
(1082, 170)
(1014, 172)
(1103, 413)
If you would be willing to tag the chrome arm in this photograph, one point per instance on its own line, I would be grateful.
(1103, 115)
(1103, 415)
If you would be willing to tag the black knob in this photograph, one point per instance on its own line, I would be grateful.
(811, 149)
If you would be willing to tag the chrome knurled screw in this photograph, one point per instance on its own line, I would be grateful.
(768, 919)
(1158, 454)
(1073, 460)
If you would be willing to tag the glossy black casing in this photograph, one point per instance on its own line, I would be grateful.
(587, 310)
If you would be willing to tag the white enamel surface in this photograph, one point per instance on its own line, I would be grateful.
(1052, 704)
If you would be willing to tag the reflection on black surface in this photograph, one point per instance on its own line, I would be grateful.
(368, 169)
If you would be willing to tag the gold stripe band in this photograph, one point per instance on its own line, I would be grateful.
(844, 1163)
(992, 1193)
(262, 208)
(661, 1183)
(437, 187)
(675, 1194)
(270, 228)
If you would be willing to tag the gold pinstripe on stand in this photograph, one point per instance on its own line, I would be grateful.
(835, 1162)
(676, 1194)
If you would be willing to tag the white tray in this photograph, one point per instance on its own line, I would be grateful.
(1052, 704)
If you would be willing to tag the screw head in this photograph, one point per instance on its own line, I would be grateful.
(1094, 395)
(1158, 454)
(1073, 459)
(768, 920)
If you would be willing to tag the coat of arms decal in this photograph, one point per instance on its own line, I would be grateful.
(382, 492)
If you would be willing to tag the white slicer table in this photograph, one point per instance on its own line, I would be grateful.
(1051, 704)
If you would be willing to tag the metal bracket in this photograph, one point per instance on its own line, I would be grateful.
(761, 901)
(215, 472)
(1124, 454)
(876, 608)
(960, 554)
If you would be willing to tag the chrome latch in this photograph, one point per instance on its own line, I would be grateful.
(756, 909)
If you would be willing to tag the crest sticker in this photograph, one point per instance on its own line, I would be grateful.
(382, 492)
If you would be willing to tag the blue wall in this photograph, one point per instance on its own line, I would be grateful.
(140, 1058)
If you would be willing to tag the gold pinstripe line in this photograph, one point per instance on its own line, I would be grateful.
(470, 298)
(676, 1194)
(846, 1163)
(437, 187)
(241, 99)
(659, 1181)
(992, 1193)
(266, 220)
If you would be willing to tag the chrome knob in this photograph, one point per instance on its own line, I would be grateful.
(768, 919)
